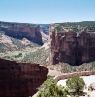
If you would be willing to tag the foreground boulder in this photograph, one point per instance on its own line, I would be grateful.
(20, 79)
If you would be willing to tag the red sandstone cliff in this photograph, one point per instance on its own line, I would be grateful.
(20, 79)
(22, 30)
(70, 47)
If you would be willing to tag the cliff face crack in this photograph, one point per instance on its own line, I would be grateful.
(71, 48)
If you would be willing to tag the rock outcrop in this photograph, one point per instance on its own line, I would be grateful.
(70, 75)
(20, 79)
(70, 47)
(22, 30)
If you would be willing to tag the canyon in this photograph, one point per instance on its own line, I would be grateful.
(24, 76)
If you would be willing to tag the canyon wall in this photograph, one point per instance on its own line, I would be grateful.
(70, 47)
(20, 79)
(22, 30)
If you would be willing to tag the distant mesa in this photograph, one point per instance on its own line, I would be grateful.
(22, 30)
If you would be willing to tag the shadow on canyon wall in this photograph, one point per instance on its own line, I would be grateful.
(72, 48)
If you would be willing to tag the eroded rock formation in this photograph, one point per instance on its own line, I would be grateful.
(20, 79)
(70, 47)
(22, 30)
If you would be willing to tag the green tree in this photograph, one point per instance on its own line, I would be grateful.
(75, 85)
(50, 89)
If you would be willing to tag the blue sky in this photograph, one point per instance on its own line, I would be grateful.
(47, 11)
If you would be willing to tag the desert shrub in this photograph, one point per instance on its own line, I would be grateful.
(39, 56)
(50, 89)
(75, 85)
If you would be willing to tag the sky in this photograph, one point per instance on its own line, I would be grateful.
(47, 11)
